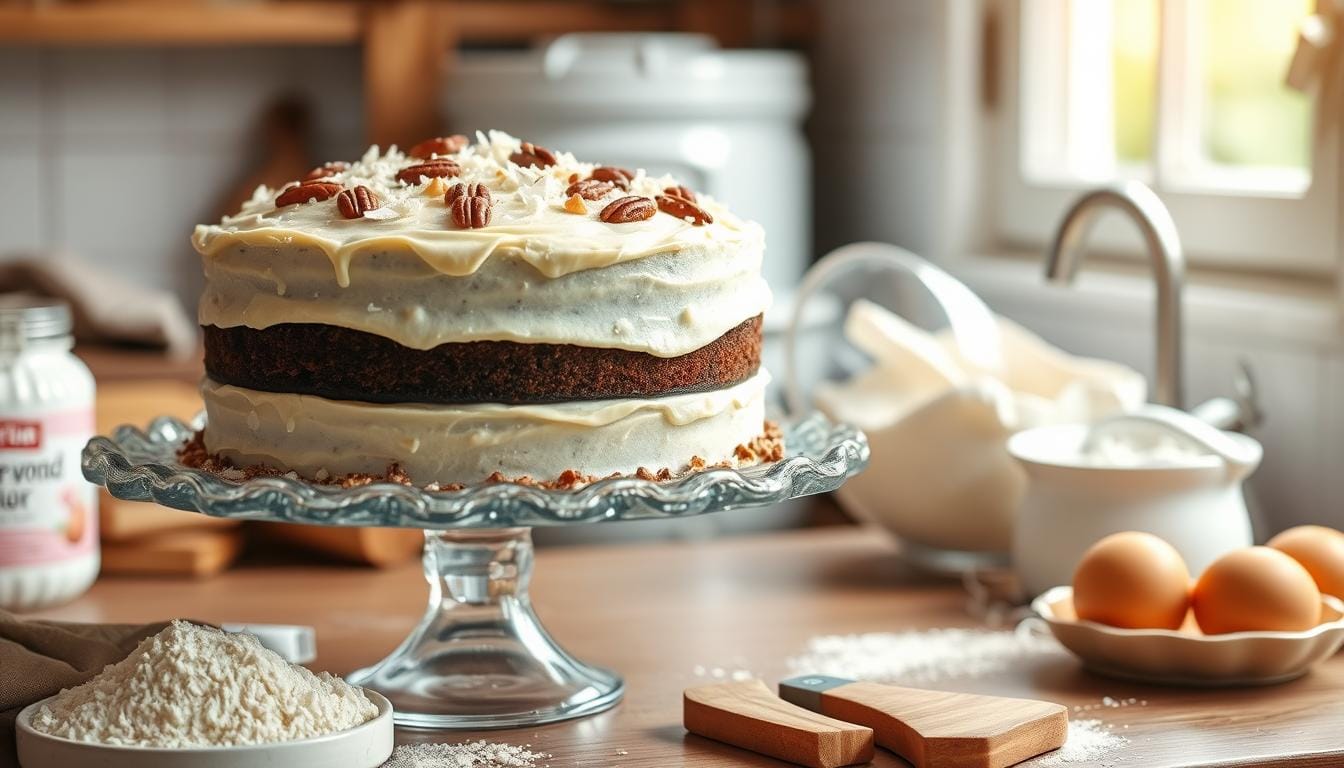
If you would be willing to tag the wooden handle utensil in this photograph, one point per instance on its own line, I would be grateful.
(937, 729)
(746, 714)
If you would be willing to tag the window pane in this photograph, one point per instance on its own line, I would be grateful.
(1135, 28)
(1250, 117)
(1089, 88)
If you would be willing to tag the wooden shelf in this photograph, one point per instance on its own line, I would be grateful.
(139, 23)
(310, 22)
(404, 41)
(493, 21)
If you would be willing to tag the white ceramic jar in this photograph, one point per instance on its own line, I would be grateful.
(1173, 476)
(48, 512)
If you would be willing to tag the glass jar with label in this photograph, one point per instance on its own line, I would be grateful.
(48, 512)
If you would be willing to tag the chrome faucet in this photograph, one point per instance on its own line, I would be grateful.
(1148, 213)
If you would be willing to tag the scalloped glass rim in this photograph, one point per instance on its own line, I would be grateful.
(142, 466)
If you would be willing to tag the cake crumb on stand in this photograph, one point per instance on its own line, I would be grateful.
(765, 449)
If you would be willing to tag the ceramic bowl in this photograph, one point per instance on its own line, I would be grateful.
(364, 746)
(1185, 657)
(1193, 501)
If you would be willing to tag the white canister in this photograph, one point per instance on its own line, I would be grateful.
(1190, 497)
(727, 123)
(48, 512)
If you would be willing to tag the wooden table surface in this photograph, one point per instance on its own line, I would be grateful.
(661, 613)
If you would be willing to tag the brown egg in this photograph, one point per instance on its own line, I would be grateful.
(1134, 580)
(1256, 589)
(1320, 550)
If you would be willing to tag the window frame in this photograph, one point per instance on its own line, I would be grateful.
(1275, 230)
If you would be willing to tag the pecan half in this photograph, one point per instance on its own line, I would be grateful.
(439, 145)
(530, 155)
(411, 174)
(628, 209)
(684, 209)
(326, 170)
(590, 189)
(306, 192)
(466, 190)
(618, 176)
(354, 202)
(471, 211)
(680, 191)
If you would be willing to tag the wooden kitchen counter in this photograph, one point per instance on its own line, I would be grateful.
(661, 613)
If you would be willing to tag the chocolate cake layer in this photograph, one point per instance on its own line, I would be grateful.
(344, 364)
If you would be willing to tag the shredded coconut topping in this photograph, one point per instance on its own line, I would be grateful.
(193, 686)
(522, 195)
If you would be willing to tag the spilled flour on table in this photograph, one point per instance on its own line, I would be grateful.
(724, 673)
(468, 754)
(925, 656)
(1088, 740)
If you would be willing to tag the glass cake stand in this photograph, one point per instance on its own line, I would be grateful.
(479, 658)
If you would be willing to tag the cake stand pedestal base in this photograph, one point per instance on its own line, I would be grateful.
(480, 658)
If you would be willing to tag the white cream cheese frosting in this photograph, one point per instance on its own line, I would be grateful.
(528, 276)
(467, 443)
(665, 305)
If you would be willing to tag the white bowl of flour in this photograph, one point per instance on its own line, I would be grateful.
(195, 696)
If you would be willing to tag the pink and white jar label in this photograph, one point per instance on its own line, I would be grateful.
(48, 512)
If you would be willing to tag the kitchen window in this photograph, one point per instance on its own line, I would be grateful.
(1188, 96)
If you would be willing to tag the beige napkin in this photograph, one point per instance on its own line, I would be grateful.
(938, 422)
(106, 307)
(39, 658)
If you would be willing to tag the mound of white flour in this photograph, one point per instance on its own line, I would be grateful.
(196, 686)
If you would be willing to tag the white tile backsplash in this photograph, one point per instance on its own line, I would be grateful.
(20, 104)
(219, 94)
(110, 98)
(116, 154)
(1290, 384)
(20, 209)
(112, 208)
(1332, 449)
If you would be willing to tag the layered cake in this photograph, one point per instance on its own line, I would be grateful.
(480, 311)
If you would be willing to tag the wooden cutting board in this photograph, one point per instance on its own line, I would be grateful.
(938, 729)
(124, 521)
(188, 552)
(137, 403)
(380, 547)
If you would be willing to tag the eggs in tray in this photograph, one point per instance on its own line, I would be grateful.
(1255, 615)
(1136, 580)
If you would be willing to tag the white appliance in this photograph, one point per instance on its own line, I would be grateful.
(728, 123)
